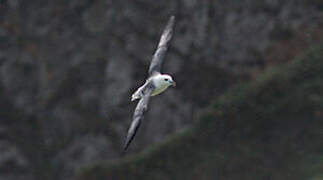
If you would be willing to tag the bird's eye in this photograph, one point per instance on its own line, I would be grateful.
(166, 79)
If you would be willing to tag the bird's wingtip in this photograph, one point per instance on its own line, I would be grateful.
(125, 146)
(172, 19)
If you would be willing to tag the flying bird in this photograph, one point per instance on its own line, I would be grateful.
(155, 84)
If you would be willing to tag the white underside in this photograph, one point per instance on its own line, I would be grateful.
(159, 90)
(160, 86)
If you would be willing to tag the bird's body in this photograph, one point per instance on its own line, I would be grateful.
(160, 82)
(159, 88)
(155, 84)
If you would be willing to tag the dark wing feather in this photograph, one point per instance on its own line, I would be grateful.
(160, 53)
(138, 116)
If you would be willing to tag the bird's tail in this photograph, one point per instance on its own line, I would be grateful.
(134, 96)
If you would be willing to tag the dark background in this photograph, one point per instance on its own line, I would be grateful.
(68, 69)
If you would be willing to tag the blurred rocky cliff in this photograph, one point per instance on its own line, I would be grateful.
(69, 67)
(270, 128)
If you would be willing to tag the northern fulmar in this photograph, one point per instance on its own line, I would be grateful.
(155, 84)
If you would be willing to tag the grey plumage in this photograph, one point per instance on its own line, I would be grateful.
(138, 115)
(144, 93)
(163, 44)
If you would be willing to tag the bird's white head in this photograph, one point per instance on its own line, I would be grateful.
(164, 80)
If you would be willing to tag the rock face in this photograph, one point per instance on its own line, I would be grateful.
(68, 68)
(270, 128)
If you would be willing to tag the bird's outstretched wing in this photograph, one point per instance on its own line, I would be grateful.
(138, 115)
(160, 53)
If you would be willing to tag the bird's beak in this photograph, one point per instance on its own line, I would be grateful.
(174, 83)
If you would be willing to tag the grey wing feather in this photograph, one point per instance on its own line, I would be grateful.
(160, 53)
(138, 116)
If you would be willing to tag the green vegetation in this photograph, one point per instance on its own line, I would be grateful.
(271, 128)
